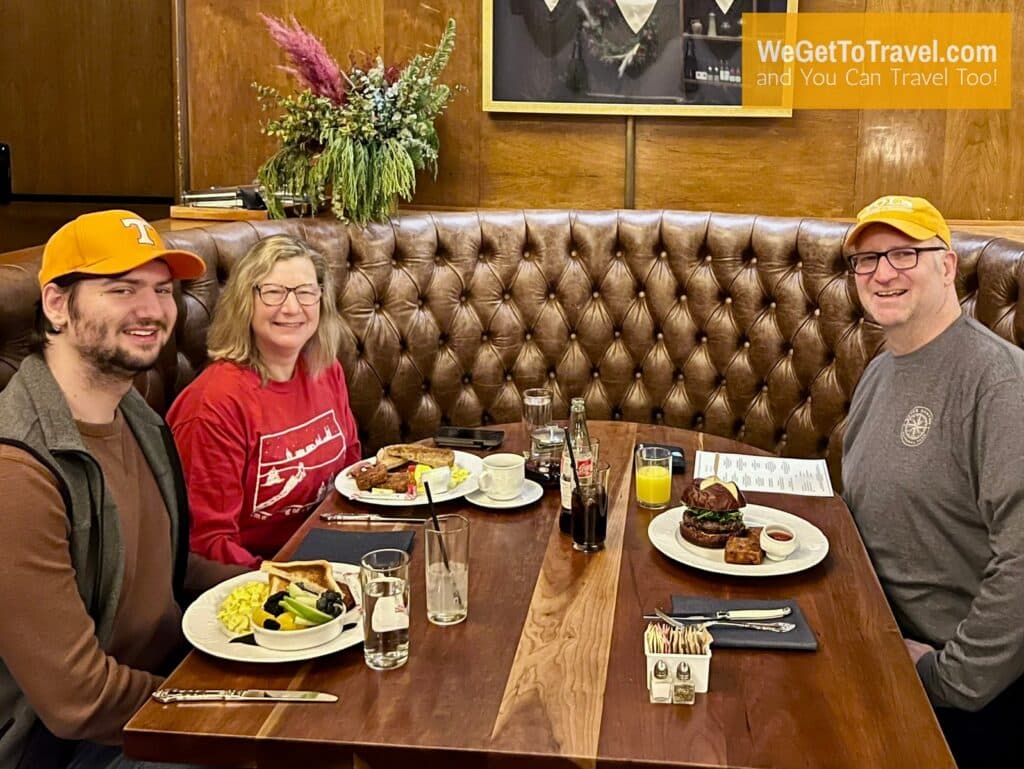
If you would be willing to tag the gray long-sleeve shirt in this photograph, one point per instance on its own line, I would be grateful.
(933, 471)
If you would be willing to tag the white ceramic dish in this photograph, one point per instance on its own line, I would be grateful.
(532, 491)
(663, 532)
(347, 486)
(294, 640)
(204, 631)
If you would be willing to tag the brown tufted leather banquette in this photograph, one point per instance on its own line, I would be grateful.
(742, 326)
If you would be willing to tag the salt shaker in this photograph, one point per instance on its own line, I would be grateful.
(661, 686)
(684, 691)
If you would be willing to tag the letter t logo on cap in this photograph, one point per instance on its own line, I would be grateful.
(143, 227)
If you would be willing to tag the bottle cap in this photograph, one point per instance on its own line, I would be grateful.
(683, 671)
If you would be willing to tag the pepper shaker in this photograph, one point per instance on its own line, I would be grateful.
(684, 691)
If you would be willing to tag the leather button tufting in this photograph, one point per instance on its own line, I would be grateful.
(764, 388)
(551, 295)
(707, 258)
(659, 336)
(618, 254)
(638, 375)
(617, 333)
(506, 296)
(551, 375)
(641, 294)
(773, 305)
(572, 335)
(527, 336)
(728, 300)
(746, 345)
(703, 340)
(573, 253)
(817, 312)
(596, 294)
(663, 255)
(595, 374)
(466, 379)
(753, 260)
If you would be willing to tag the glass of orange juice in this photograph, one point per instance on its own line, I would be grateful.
(653, 477)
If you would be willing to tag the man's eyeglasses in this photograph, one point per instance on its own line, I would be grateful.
(274, 295)
(901, 258)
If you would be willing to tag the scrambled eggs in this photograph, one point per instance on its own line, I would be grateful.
(237, 608)
(459, 474)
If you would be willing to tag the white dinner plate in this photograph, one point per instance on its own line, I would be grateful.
(812, 545)
(532, 491)
(204, 631)
(347, 486)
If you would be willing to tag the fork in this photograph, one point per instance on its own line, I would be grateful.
(771, 627)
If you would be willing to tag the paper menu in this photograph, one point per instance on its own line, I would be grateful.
(782, 475)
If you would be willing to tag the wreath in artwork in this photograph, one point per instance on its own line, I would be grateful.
(631, 56)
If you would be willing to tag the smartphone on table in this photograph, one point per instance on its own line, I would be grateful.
(468, 437)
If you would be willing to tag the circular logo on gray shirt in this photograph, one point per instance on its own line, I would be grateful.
(915, 426)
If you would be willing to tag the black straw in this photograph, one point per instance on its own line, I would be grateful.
(437, 525)
(578, 491)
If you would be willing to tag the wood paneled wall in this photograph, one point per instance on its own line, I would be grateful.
(85, 96)
(818, 163)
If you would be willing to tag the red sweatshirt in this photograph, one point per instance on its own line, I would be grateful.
(258, 459)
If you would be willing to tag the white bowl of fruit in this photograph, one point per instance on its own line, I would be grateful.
(306, 606)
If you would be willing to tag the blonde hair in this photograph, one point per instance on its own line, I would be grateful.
(231, 337)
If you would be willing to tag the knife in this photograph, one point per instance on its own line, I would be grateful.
(735, 614)
(240, 695)
(366, 518)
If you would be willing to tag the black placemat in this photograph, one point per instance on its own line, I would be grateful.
(350, 546)
(801, 638)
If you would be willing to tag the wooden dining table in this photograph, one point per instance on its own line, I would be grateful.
(549, 669)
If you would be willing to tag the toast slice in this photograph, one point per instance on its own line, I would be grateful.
(744, 547)
(315, 574)
(390, 462)
(420, 454)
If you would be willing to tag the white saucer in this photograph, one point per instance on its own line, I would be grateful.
(532, 491)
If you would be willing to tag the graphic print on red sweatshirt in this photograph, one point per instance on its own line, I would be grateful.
(285, 459)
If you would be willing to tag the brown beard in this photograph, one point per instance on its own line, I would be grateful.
(109, 360)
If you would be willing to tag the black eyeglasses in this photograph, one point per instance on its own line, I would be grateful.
(900, 258)
(274, 295)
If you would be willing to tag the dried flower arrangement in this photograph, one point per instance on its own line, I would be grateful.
(358, 137)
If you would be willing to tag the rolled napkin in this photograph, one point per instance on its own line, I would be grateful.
(801, 638)
(349, 546)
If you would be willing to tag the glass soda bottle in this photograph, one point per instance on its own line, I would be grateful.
(582, 449)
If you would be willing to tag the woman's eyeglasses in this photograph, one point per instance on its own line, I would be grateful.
(901, 258)
(274, 295)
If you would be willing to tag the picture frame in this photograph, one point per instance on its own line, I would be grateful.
(620, 57)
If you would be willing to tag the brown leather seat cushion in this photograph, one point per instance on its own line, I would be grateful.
(739, 325)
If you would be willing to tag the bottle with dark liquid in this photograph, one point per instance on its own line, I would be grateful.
(583, 451)
(689, 67)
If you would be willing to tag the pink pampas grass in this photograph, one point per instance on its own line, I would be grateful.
(311, 63)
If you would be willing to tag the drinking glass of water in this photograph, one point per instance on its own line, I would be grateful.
(384, 577)
(447, 557)
(536, 409)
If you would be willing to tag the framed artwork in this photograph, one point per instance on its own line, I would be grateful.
(620, 57)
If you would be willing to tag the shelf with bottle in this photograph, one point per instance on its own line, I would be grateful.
(715, 38)
(716, 83)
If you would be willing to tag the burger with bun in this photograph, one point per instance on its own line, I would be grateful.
(712, 512)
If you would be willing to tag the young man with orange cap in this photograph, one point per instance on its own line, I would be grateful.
(94, 516)
(933, 472)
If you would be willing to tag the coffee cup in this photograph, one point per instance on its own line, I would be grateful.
(503, 476)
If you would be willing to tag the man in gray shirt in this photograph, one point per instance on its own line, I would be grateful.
(933, 471)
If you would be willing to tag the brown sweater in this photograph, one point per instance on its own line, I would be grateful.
(47, 639)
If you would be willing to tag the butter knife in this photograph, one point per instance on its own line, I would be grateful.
(240, 695)
(771, 627)
(366, 518)
(735, 614)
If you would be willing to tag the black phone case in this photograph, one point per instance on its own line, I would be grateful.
(467, 437)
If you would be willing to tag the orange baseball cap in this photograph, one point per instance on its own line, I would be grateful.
(915, 217)
(109, 243)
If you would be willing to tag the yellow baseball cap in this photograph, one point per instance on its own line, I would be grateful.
(915, 217)
(109, 243)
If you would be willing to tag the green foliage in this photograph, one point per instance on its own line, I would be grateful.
(364, 153)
